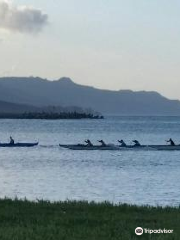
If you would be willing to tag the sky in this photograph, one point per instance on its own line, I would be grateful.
(118, 44)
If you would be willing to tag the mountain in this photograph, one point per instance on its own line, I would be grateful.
(7, 107)
(64, 92)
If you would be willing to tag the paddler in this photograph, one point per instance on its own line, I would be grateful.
(11, 141)
(136, 143)
(103, 144)
(89, 143)
(123, 144)
(171, 142)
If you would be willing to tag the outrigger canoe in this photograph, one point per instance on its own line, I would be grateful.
(120, 148)
(85, 147)
(18, 144)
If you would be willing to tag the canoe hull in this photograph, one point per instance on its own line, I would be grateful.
(84, 147)
(119, 148)
(18, 144)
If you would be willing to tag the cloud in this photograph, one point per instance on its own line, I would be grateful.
(22, 19)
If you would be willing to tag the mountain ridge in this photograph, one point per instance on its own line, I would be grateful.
(64, 92)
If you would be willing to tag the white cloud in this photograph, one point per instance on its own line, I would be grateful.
(22, 19)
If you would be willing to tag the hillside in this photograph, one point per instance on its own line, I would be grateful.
(64, 92)
(7, 107)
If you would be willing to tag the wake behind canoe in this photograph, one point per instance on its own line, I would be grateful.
(18, 144)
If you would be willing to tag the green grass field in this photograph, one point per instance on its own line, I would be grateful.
(23, 220)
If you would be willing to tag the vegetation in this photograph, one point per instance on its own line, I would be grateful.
(49, 115)
(42, 220)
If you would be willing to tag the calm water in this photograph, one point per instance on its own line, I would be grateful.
(50, 172)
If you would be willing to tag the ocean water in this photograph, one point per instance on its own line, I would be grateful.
(53, 173)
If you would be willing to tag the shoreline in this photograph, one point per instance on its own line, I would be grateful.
(50, 116)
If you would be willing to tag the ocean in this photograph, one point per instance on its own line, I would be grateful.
(52, 173)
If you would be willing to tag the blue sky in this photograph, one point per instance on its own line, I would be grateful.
(132, 44)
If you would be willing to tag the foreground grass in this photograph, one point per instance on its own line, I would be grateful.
(23, 220)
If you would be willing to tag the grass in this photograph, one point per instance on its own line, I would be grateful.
(42, 220)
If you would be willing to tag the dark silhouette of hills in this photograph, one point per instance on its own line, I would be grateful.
(20, 111)
(7, 107)
(64, 92)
